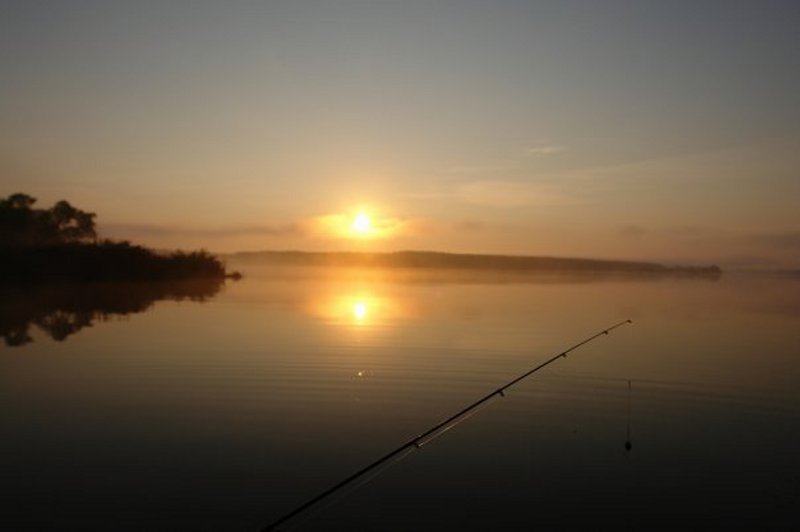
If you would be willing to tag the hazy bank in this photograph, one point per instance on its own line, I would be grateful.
(454, 261)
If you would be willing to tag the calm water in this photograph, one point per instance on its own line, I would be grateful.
(200, 409)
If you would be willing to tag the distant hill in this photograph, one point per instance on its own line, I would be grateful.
(459, 261)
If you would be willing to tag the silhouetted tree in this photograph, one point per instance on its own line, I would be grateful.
(17, 219)
(60, 244)
(71, 224)
(22, 225)
(18, 201)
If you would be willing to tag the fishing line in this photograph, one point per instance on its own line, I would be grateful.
(628, 443)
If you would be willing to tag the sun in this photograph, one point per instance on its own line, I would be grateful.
(360, 310)
(362, 224)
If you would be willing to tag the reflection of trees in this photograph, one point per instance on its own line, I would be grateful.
(62, 310)
(62, 323)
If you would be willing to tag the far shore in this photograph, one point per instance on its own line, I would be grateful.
(460, 261)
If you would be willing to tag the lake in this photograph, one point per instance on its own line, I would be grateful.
(224, 407)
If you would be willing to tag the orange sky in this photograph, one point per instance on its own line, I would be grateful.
(665, 131)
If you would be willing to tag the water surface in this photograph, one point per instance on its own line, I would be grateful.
(226, 411)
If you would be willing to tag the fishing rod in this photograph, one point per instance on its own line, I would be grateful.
(430, 434)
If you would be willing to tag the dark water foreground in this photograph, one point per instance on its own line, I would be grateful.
(225, 415)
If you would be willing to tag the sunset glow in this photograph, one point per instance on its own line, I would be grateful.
(525, 128)
(359, 226)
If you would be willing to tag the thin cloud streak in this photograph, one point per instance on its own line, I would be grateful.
(788, 240)
(158, 230)
(504, 193)
(508, 194)
(481, 169)
(729, 248)
(545, 149)
(339, 226)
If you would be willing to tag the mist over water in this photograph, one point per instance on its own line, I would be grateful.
(229, 411)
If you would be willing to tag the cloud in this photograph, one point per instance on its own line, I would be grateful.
(632, 231)
(514, 194)
(470, 226)
(489, 228)
(787, 240)
(325, 226)
(544, 149)
(687, 233)
(161, 230)
(727, 247)
(339, 225)
(477, 169)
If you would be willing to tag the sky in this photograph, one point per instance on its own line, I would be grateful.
(643, 129)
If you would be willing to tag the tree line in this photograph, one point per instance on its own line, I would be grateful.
(22, 225)
(61, 244)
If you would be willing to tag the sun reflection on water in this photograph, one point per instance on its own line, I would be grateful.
(362, 306)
